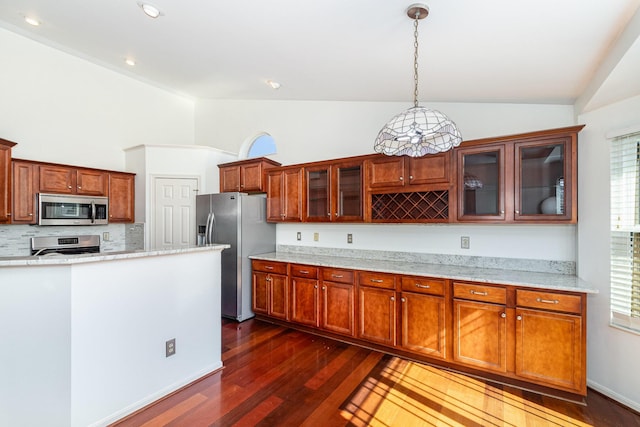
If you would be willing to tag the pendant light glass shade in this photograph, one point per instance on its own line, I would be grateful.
(418, 131)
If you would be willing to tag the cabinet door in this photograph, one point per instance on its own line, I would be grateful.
(481, 183)
(543, 180)
(318, 193)
(423, 324)
(479, 335)
(121, 197)
(25, 181)
(278, 296)
(57, 179)
(430, 169)
(550, 349)
(260, 292)
(5, 183)
(304, 301)
(275, 196)
(377, 313)
(292, 192)
(386, 172)
(251, 177)
(229, 179)
(92, 182)
(346, 196)
(338, 308)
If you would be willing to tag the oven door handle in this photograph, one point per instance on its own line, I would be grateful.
(93, 212)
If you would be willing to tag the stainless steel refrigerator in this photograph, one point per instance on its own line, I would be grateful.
(240, 220)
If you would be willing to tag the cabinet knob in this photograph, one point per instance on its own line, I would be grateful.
(518, 212)
(501, 212)
(329, 214)
(410, 176)
(69, 187)
(519, 317)
(315, 286)
(79, 187)
(503, 315)
(393, 298)
(401, 178)
(30, 214)
(324, 288)
(403, 299)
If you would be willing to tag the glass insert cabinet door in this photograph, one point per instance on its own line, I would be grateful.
(348, 203)
(481, 183)
(542, 181)
(334, 192)
(318, 194)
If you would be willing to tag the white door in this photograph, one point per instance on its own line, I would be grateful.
(174, 212)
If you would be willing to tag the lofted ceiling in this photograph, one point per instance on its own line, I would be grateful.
(543, 51)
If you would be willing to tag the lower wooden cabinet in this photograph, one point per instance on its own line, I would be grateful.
(519, 334)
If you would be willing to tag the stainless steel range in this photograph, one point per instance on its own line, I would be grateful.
(69, 245)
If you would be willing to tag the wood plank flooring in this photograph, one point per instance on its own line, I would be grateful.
(276, 376)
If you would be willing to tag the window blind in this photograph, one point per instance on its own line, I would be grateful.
(625, 231)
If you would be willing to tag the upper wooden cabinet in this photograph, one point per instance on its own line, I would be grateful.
(246, 175)
(121, 197)
(69, 180)
(284, 194)
(334, 192)
(5, 180)
(25, 188)
(521, 178)
(402, 171)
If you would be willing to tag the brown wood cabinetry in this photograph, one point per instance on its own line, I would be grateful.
(402, 171)
(304, 295)
(60, 179)
(334, 192)
(5, 180)
(424, 316)
(520, 178)
(284, 194)
(246, 175)
(121, 197)
(377, 307)
(270, 289)
(25, 188)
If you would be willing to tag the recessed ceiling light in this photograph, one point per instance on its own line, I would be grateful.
(273, 84)
(31, 21)
(150, 10)
(130, 62)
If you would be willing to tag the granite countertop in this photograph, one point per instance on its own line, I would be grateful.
(550, 281)
(102, 256)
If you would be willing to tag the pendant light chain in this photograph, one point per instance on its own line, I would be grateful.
(415, 60)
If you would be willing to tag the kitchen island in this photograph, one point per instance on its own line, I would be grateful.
(85, 335)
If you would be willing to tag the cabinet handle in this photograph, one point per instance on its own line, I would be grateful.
(401, 178)
(503, 315)
(518, 212)
(30, 214)
(403, 299)
(418, 285)
(519, 317)
(315, 286)
(69, 187)
(268, 267)
(547, 301)
(304, 272)
(324, 288)
(502, 212)
(410, 176)
(79, 187)
(337, 276)
(377, 280)
(393, 298)
(484, 294)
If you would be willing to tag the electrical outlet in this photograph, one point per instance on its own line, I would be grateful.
(465, 242)
(105, 236)
(349, 238)
(316, 237)
(170, 347)
(298, 236)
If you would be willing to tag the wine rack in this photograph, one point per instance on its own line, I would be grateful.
(425, 206)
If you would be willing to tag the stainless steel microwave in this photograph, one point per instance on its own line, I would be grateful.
(60, 209)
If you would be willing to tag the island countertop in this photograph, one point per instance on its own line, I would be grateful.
(550, 281)
(102, 256)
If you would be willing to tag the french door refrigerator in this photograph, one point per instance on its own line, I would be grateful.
(239, 220)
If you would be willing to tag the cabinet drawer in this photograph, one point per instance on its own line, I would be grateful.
(483, 293)
(304, 271)
(423, 285)
(337, 275)
(270, 266)
(549, 301)
(378, 280)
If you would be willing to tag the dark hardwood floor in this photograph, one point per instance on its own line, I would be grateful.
(275, 376)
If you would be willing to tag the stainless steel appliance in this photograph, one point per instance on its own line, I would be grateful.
(240, 220)
(60, 209)
(66, 245)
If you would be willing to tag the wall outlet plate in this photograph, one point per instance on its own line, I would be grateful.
(316, 237)
(298, 236)
(349, 238)
(465, 242)
(170, 347)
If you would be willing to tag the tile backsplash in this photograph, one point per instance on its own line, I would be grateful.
(15, 239)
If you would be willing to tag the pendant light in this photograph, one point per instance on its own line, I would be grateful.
(418, 131)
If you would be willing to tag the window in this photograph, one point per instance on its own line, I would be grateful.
(625, 231)
(262, 146)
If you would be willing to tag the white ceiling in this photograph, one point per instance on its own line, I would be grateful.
(543, 51)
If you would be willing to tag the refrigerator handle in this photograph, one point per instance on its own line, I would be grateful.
(206, 229)
(212, 225)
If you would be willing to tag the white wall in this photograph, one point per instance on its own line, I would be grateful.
(63, 109)
(612, 353)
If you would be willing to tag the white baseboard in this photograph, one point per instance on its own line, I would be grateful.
(155, 396)
(613, 395)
